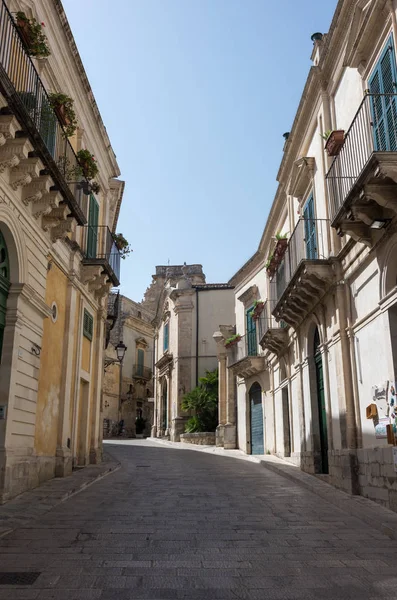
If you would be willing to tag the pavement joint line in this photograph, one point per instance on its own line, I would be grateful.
(377, 516)
(110, 466)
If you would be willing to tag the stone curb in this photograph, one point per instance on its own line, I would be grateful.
(380, 518)
(33, 504)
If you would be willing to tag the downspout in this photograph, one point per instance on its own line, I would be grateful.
(197, 334)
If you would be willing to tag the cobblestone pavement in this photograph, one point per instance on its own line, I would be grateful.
(174, 524)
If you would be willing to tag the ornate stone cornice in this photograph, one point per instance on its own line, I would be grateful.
(248, 297)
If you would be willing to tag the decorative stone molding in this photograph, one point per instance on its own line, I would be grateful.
(141, 343)
(13, 151)
(62, 229)
(46, 204)
(9, 126)
(365, 26)
(165, 364)
(55, 217)
(89, 273)
(36, 189)
(249, 296)
(301, 176)
(24, 172)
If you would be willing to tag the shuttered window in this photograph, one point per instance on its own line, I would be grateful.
(166, 336)
(88, 325)
(92, 237)
(310, 229)
(251, 333)
(383, 83)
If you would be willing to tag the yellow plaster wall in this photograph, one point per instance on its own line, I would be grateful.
(50, 377)
(86, 353)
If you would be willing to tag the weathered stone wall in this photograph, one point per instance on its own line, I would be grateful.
(377, 478)
(201, 439)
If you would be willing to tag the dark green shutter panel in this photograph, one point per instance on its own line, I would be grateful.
(48, 122)
(310, 229)
(141, 361)
(166, 336)
(88, 325)
(251, 333)
(383, 105)
(92, 236)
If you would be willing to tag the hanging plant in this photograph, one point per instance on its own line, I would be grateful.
(33, 37)
(122, 245)
(87, 163)
(257, 310)
(95, 187)
(63, 107)
(233, 340)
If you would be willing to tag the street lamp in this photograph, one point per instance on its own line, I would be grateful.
(120, 352)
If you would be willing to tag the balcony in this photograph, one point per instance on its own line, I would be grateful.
(244, 357)
(305, 272)
(141, 372)
(273, 336)
(101, 258)
(362, 178)
(33, 144)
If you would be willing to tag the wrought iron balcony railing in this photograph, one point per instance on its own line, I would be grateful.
(100, 249)
(247, 346)
(28, 99)
(309, 241)
(373, 129)
(141, 372)
(267, 321)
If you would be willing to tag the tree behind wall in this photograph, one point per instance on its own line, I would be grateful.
(203, 402)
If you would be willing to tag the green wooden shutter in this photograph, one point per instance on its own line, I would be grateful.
(88, 325)
(166, 336)
(251, 333)
(383, 105)
(48, 122)
(92, 236)
(141, 361)
(310, 229)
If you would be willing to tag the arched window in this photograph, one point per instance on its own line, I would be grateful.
(4, 286)
(316, 343)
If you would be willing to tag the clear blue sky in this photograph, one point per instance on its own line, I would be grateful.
(195, 96)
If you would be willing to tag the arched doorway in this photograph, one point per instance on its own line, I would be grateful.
(4, 287)
(322, 412)
(256, 419)
(164, 406)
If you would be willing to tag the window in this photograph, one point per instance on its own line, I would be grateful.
(140, 362)
(310, 229)
(166, 336)
(383, 101)
(88, 325)
(92, 235)
(251, 333)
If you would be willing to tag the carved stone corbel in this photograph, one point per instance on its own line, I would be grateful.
(62, 229)
(24, 172)
(56, 216)
(36, 189)
(358, 231)
(384, 195)
(90, 273)
(9, 126)
(46, 204)
(13, 151)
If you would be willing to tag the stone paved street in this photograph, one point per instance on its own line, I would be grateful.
(176, 523)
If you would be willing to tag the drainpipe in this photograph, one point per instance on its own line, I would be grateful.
(197, 335)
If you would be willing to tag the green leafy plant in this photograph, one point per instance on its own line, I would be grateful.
(95, 187)
(203, 401)
(87, 163)
(281, 236)
(326, 134)
(140, 424)
(233, 339)
(32, 34)
(257, 309)
(269, 260)
(63, 106)
(122, 244)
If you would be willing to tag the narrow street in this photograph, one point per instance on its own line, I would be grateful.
(176, 523)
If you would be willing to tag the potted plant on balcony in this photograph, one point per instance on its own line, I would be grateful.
(122, 245)
(257, 310)
(63, 107)
(270, 266)
(233, 340)
(95, 187)
(334, 141)
(87, 163)
(33, 37)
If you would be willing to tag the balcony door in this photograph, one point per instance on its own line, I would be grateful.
(310, 229)
(382, 83)
(92, 235)
(251, 333)
(140, 362)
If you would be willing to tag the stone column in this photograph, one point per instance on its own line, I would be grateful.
(230, 430)
(222, 387)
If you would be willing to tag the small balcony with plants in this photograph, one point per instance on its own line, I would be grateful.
(37, 124)
(304, 273)
(272, 335)
(362, 179)
(245, 358)
(101, 257)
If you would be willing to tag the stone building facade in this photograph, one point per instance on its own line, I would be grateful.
(128, 387)
(187, 311)
(55, 271)
(316, 372)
